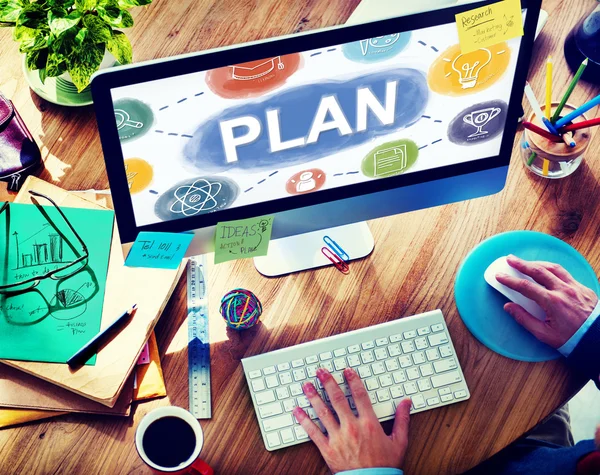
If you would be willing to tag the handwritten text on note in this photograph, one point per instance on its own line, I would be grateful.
(158, 250)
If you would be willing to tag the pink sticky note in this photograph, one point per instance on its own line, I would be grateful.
(145, 356)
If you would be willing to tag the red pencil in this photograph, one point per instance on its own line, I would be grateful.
(581, 125)
(542, 132)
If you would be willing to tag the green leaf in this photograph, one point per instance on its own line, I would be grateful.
(80, 38)
(59, 24)
(85, 5)
(30, 39)
(10, 10)
(33, 15)
(110, 12)
(65, 4)
(84, 62)
(133, 3)
(31, 60)
(43, 75)
(99, 30)
(120, 47)
(55, 66)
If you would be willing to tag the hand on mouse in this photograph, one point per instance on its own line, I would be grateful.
(566, 302)
(355, 441)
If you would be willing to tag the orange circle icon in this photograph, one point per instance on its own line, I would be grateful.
(139, 174)
(305, 181)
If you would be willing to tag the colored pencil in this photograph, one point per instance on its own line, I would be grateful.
(570, 90)
(548, 110)
(568, 139)
(581, 125)
(531, 158)
(577, 112)
(535, 105)
(544, 133)
(545, 167)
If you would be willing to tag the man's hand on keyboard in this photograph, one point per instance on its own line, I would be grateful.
(566, 302)
(355, 441)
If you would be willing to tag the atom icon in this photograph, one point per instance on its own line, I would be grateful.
(195, 198)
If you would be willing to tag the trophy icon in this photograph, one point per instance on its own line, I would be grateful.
(479, 119)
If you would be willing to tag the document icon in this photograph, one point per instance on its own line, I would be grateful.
(390, 160)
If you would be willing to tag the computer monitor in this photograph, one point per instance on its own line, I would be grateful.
(324, 129)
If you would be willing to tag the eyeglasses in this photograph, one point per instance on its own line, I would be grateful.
(64, 271)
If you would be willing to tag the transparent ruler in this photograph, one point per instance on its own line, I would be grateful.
(198, 342)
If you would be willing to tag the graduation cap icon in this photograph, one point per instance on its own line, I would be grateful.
(255, 69)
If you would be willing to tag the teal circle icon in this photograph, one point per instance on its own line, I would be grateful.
(379, 48)
(134, 118)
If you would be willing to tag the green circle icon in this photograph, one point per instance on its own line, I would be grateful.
(389, 159)
(134, 118)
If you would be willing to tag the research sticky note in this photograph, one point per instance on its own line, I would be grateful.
(489, 25)
(243, 238)
(158, 250)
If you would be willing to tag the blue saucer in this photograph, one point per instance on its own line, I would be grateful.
(481, 307)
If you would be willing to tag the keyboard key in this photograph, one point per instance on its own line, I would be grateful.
(372, 384)
(339, 352)
(433, 401)
(326, 356)
(432, 354)
(367, 345)
(269, 410)
(296, 389)
(437, 339)
(378, 368)
(397, 392)
(303, 401)
(444, 391)
(392, 365)
(444, 365)
(394, 350)
(384, 409)
(339, 364)
(383, 395)
(410, 388)
(258, 385)
(409, 334)
(346, 390)
(421, 343)
(311, 371)
(299, 374)
(300, 433)
(385, 380)
(353, 361)
(264, 397)
(395, 338)
(311, 412)
(445, 351)
(272, 381)
(426, 369)
(353, 349)
(328, 365)
(423, 331)
(381, 354)
(269, 370)
(365, 372)
(289, 405)
(460, 394)
(405, 361)
(408, 347)
(283, 367)
(418, 357)
(273, 440)
(381, 341)
(338, 377)
(285, 378)
(446, 397)
(418, 401)
(287, 436)
(278, 422)
(445, 379)
(367, 357)
(373, 397)
(399, 377)
(424, 385)
(282, 393)
(311, 359)
(297, 363)
(438, 327)
(254, 374)
(413, 373)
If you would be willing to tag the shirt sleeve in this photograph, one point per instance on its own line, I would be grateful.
(585, 357)
(570, 345)
(373, 471)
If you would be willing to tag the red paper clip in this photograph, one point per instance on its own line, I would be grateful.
(335, 259)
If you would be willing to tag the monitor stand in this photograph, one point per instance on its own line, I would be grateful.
(303, 251)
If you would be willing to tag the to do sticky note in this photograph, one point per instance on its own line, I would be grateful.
(158, 250)
(489, 25)
(242, 238)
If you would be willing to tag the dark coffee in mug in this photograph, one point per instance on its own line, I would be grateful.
(169, 441)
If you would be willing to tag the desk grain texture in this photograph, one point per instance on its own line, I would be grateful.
(411, 270)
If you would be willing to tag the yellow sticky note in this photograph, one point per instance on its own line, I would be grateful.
(489, 25)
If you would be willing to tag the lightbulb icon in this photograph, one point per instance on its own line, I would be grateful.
(469, 65)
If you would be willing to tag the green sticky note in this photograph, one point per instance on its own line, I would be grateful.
(56, 308)
(158, 250)
(243, 238)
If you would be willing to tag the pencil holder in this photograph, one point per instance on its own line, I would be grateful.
(550, 159)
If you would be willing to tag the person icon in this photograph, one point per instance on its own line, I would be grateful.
(306, 183)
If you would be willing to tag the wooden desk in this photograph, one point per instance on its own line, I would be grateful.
(411, 270)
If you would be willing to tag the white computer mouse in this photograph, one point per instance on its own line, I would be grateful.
(500, 266)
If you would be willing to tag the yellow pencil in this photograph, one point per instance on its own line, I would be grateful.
(548, 110)
(545, 167)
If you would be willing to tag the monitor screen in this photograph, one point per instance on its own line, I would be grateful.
(315, 120)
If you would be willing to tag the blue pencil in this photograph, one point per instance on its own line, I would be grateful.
(577, 112)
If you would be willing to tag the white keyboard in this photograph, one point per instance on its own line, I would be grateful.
(411, 356)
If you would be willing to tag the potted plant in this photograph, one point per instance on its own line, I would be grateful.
(69, 38)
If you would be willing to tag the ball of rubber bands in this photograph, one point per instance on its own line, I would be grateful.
(241, 309)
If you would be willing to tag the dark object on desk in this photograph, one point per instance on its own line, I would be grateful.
(584, 42)
(169, 441)
(19, 154)
(91, 348)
